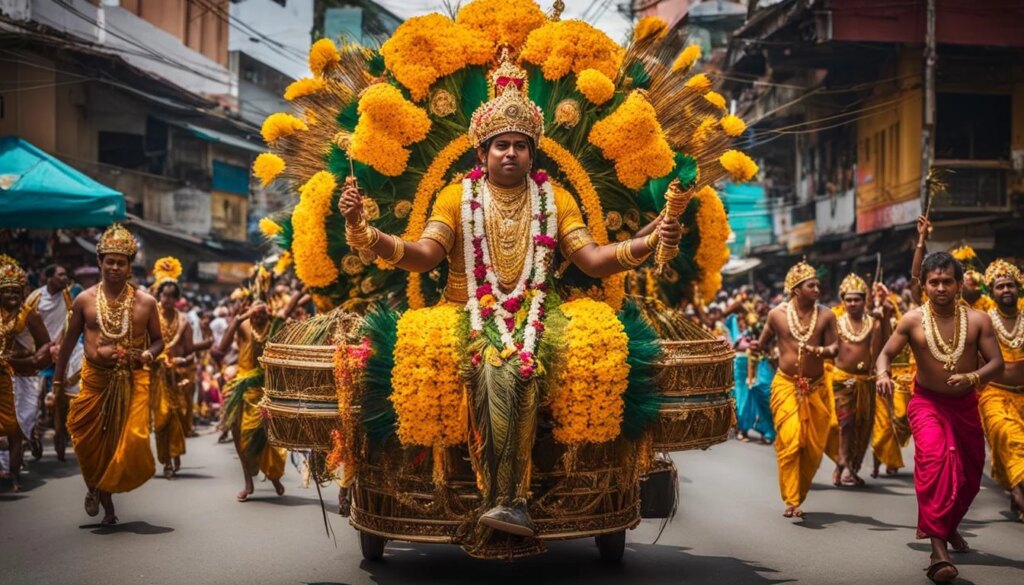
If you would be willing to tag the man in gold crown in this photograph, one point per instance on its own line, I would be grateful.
(860, 339)
(170, 390)
(1002, 401)
(806, 334)
(500, 232)
(16, 317)
(109, 419)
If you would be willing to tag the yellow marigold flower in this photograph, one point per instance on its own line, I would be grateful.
(284, 262)
(733, 125)
(715, 99)
(699, 82)
(501, 21)
(402, 209)
(303, 87)
(427, 387)
(632, 138)
(267, 167)
(595, 86)
(425, 48)
(269, 227)
(322, 56)
(572, 45)
(313, 265)
(281, 124)
(712, 252)
(739, 165)
(387, 123)
(650, 26)
(964, 253)
(687, 57)
(487, 301)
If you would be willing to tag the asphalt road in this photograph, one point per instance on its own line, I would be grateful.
(729, 529)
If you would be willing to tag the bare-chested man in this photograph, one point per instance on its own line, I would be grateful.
(946, 337)
(861, 336)
(1002, 401)
(806, 335)
(15, 317)
(109, 419)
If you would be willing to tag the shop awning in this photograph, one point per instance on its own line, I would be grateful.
(39, 191)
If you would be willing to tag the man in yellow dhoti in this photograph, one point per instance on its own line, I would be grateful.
(806, 334)
(1002, 401)
(860, 339)
(109, 419)
(16, 317)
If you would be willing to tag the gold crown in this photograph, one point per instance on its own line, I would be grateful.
(166, 269)
(1001, 268)
(11, 274)
(853, 284)
(509, 109)
(117, 240)
(800, 272)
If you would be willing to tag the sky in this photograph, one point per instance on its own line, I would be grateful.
(600, 13)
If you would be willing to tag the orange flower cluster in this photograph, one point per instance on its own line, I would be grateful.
(687, 57)
(267, 167)
(349, 364)
(712, 251)
(572, 45)
(632, 138)
(501, 21)
(427, 388)
(426, 48)
(313, 265)
(733, 125)
(387, 124)
(303, 87)
(269, 227)
(281, 124)
(593, 374)
(739, 165)
(322, 56)
(650, 26)
(595, 86)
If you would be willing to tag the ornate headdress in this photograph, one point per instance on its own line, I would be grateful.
(11, 274)
(117, 240)
(166, 269)
(853, 284)
(800, 272)
(509, 110)
(1001, 268)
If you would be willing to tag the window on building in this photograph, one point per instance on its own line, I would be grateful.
(972, 126)
(122, 149)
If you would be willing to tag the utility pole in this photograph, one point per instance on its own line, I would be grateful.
(928, 125)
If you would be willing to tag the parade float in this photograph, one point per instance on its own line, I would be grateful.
(413, 402)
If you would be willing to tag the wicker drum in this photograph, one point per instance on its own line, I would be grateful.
(695, 379)
(300, 406)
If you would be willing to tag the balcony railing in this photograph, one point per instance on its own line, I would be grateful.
(974, 186)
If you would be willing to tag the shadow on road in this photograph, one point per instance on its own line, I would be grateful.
(576, 561)
(820, 520)
(36, 474)
(977, 558)
(138, 527)
(873, 489)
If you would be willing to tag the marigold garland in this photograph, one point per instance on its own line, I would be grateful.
(632, 138)
(303, 87)
(739, 165)
(269, 228)
(593, 373)
(267, 167)
(322, 56)
(712, 251)
(733, 125)
(687, 57)
(501, 21)
(650, 26)
(425, 48)
(427, 387)
(281, 124)
(387, 123)
(595, 86)
(572, 45)
(313, 265)
(284, 262)
(349, 365)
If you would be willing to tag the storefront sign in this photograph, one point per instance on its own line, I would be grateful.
(225, 272)
(885, 216)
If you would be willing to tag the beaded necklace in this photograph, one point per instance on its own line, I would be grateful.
(1012, 339)
(849, 335)
(946, 354)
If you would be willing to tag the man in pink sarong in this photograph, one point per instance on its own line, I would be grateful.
(946, 337)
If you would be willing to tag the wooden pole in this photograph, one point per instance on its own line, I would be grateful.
(928, 121)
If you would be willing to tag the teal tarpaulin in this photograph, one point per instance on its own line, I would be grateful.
(39, 191)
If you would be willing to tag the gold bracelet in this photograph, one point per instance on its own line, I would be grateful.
(652, 241)
(624, 255)
(398, 253)
(974, 379)
(361, 236)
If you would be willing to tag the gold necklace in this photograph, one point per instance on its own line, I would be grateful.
(1012, 339)
(507, 229)
(849, 335)
(170, 330)
(117, 314)
(260, 337)
(507, 194)
(801, 334)
(948, 355)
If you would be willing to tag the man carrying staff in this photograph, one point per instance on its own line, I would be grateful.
(1002, 401)
(946, 337)
(109, 419)
(806, 334)
(860, 340)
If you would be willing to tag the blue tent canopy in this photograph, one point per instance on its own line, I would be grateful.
(39, 191)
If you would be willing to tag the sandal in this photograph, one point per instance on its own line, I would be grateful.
(109, 520)
(948, 572)
(92, 504)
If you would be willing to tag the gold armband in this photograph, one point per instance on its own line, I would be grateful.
(440, 233)
(575, 241)
(624, 255)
